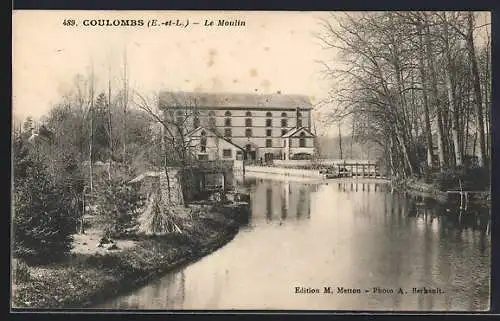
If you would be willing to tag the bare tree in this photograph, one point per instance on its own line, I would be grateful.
(404, 79)
(175, 123)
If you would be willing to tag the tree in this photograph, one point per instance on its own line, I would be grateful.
(174, 121)
(405, 80)
(43, 221)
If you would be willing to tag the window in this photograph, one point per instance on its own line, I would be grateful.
(227, 122)
(211, 119)
(299, 122)
(203, 157)
(227, 114)
(211, 122)
(248, 122)
(228, 132)
(196, 122)
(283, 132)
(269, 114)
(302, 140)
(284, 122)
(269, 132)
(248, 132)
(226, 153)
(203, 142)
(283, 115)
(180, 117)
(284, 143)
(269, 122)
(248, 114)
(269, 143)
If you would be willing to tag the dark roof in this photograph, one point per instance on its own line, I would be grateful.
(191, 133)
(295, 130)
(245, 100)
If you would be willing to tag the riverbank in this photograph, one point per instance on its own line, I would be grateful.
(421, 188)
(272, 170)
(87, 279)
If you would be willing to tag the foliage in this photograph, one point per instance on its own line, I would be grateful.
(467, 179)
(119, 203)
(415, 83)
(43, 222)
(21, 271)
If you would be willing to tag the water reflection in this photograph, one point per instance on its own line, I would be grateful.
(279, 201)
(349, 233)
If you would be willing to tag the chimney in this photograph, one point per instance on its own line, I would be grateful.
(297, 117)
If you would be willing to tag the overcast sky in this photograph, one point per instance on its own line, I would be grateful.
(273, 51)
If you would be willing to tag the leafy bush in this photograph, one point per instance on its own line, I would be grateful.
(44, 216)
(43, 222)
(476, 178)
(119, 202)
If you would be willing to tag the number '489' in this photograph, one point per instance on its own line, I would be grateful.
(68, 22)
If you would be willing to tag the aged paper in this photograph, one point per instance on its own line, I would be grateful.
(252, 160)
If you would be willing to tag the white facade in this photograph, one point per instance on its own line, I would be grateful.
(206, 145)
(298, 142)
(254, 122)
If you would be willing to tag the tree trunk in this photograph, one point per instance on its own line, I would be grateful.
(91, 142)
(340, 142)
(450, 80)
(435, 101)
(165, 166)
(110, 128)
(477, 89)
(425, 84)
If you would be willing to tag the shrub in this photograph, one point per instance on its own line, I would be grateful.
(43, 222)
(476, 178)
(119, 202)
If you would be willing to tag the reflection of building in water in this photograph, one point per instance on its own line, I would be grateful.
(269, 203)
(280, 200)
(285, 192)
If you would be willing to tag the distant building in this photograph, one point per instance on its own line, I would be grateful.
(298, 143)
(258, 125)
(207, 145)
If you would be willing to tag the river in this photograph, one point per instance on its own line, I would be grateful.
(341, 234)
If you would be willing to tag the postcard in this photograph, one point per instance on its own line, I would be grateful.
(251, 160)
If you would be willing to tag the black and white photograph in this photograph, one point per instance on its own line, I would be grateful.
(251, 161)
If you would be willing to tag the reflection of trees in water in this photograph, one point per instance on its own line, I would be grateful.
(449, 214)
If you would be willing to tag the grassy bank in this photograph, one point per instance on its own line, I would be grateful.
(86, 279)
(425, 188)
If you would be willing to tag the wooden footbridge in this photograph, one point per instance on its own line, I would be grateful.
(368, 169)
(336, 168)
